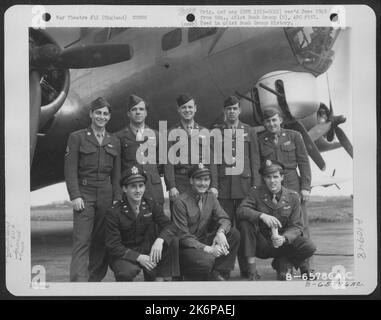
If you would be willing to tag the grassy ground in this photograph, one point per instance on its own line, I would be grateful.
(320, 209)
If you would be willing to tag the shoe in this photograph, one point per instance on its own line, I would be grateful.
(305, 271)
(216, 276)
(254, 276)
(284, 268)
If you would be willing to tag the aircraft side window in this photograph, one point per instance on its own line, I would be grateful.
(198, 33)
(171, 39)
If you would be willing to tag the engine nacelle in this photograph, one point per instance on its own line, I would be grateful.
(299, 89)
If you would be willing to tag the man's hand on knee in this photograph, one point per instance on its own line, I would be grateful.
(145, 262)
(213, 250)
(270, 221)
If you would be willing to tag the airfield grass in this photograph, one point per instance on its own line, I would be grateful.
(320, 209)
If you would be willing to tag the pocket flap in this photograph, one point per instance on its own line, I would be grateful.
(88, 148)
(288, 147)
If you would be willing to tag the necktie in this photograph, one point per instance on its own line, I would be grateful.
(233, 131)
(276, 139)
(274, 200)
(200, 202)
(189, 129)
(139, 135)
(100, 137)
(137, 210)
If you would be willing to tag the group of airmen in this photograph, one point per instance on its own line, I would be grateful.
(215, 218)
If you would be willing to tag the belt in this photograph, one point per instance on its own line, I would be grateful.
(289, 170)
(93, 182)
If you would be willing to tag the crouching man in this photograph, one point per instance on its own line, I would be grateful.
(208, 243)
(131, 237)
(271, 225)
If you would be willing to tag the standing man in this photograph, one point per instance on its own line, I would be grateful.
(92, 173)
(131, 238)
(130, 140)
(287, 146)
(176, 176)
(232, 189)
(271, 225)
(208, 243)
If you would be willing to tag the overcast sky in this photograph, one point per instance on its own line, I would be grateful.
(339, 80)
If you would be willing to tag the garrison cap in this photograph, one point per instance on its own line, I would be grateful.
(231, 101)
(270, 112)
(132, 174)
(133, 101)
(271, 166)
(199, 170)
(183, 99)
(99, 103)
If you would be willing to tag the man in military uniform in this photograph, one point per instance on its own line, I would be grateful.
(131, 238)
(176, 176)
(131, 139)
(271, 225)
(233, 188)
(208, 242)
(92, 174)
(287, 146)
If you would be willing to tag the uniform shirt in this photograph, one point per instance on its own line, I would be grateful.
(129, 147)
(172, 173)
(89, 162)
(287, 211)
(238, 186)
(195, 226)
(290, 150)
(128, 235)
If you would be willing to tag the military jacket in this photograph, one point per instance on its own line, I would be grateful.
(89, 163)
(195, 226)
(238, 186)
(129, 147)
(177, 175)
(128, 235)
(287, 211)
(291, 151)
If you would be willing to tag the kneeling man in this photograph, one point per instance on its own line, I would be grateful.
(271, 224)
(208, 243)
(131, 237)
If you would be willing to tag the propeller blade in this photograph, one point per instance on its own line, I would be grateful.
(344, 141)
(312, 150)
(92, 56)
(319, 130)
(34, 110)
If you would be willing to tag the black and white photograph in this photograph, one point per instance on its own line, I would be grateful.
(218, 156)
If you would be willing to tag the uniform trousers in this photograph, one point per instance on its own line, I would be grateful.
(197, 264)
(255, 244)
(168, 266)
(89, 260)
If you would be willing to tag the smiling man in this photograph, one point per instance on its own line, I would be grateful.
(131, 238)
(92, 174)
(271, 225)
(132, 137)
(208, 242)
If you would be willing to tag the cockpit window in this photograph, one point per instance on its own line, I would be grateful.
(313, 46)
(171, 39)
(198, 33)
(115, 31)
